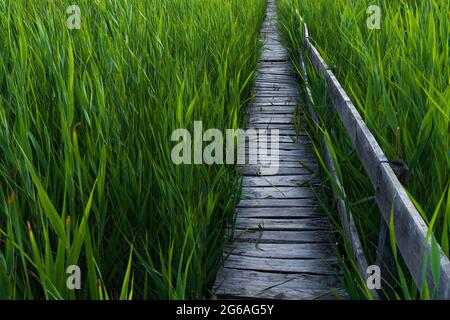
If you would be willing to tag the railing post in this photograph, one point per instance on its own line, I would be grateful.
(385, 258)
(385, 261)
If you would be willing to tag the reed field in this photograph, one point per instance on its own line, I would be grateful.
(88, 110)
(398, 77)
(86, 117)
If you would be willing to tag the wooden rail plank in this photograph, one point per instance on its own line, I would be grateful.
(345, 215)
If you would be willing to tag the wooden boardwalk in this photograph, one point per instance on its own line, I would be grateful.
(281, 247)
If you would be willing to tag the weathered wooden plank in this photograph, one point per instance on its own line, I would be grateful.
(282, 236)
(259, 102)
(279, 160)
(281, 224)
(255, 170)
(284, 168)
(273, 74)
(260, 145)
(279, 79)
(275, 203)
(282, 250)
(285, 131)
(294, 147)
(281, 132)
(280, 212)
(266, 285)
(265, 85)
(310, 266)
(282, 139)
(279, 181)
(267, 88)
(276, 119)
(279, 126)
(272, 48)
(273, 92)
(271, 57)
(296, 151)
(260, 162)
(267, 111)
(279, 101)
(276, 58)
(302, 137)
(275, 70)
(291, 155)
(261, 93)
(274, 85)
(271, 110)
(277, 193)
(263, 161)
(263, 65)
(286, 73)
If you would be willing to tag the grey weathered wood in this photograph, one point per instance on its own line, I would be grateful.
(269, 110)
(291, 155)
(267, 285)
(282, 237)
(282, 250)
(280, 212)
(276, 100)
(410, 229)
(255, 170)
(280, 227)
(296, 148)
(279, 181)
(288, 128)
(276, 203)
(281, 140)
(278, 119)
(257, 224)
(310, 266)
(281, 131)
(277, 193)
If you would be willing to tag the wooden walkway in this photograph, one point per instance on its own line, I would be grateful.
(281, 247)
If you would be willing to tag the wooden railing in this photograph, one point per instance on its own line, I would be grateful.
(411, 232)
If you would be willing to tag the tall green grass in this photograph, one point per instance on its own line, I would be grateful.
(86, 118)
(398, 77)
